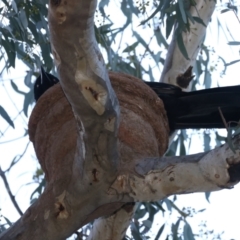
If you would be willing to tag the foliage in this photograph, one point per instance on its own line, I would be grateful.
(24, 36)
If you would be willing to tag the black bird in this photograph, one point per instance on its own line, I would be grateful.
(43, 83)
(197, 109)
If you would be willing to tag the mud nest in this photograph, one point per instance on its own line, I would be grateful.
(143, 130)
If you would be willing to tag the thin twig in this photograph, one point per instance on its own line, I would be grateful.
(12, 197)
(19, 158)
(223, 118)
(12, 140)
(9, 125)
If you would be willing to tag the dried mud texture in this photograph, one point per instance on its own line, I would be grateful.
(143, 130)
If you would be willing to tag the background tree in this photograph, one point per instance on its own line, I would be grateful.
(26, 30)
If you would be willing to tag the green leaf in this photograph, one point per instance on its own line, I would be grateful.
(131, 47)
(28, 79)
(27, 101)
(147, 223)
(168, 203)
(10, 50)
(14, 6)
(150, 74)
(202, 210)
(231, 63)
(46, 49)
(199, 20)
(106, 28)
(133, 8)
(157, 10)
(39, 188)
(181, 46)
(101, 6)
(6, 117)
(34, 31)
(207, 79)
(160, 38)
(159, 205)
(182, 10)
(140, 40)
(141, 211)
(169, 25)
(159, 232)
(234, 43)
(207, 140)
(158, 59)
(174, 229)
(24, 56)
(181, 143)
(23, 19)
(187, 232)
(15, 88)
(190, 17)
(127, 12)
(8, 221)
(225, 10)
(135, 231)
(207, 196)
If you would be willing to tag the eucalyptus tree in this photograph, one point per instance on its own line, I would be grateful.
(100, 136)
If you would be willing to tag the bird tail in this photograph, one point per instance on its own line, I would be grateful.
(208, 108)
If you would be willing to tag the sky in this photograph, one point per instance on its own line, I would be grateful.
(224, 206)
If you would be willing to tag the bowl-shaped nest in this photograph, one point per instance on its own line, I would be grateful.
(143, 130)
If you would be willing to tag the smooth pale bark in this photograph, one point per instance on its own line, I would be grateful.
(162, 177)
(87, 181)
(84, 77)
(176, 64)
(114, 226)
(74, 182)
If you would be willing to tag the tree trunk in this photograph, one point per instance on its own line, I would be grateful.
(100, 143)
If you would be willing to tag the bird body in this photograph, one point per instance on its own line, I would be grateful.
(43, 83)
(198, 109)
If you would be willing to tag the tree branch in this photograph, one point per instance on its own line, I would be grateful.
(84, 79)
(162, 177)
(12, 197)
(93, 162)
(176, 64)
(114, 226)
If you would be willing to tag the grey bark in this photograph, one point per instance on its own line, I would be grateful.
(90, 181)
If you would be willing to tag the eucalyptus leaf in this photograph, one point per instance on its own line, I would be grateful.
(28, 100)
(187, 232)
(14, 6)
(232, 62)
(15, 88)
(159, 233)
(23, 18)
(181, 46)
(6, 117)
(39, 188)
(234, 43)
(207, 196)
(199, 20)
(169, 25)
(182, 10)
